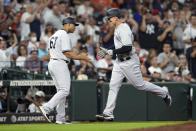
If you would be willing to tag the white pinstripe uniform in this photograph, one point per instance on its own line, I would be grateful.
(129, 69)
(58, 68)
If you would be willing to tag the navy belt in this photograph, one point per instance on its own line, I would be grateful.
(60, 59)
(125, 58)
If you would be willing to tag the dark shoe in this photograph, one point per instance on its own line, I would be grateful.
(168, 100)
(103, 117)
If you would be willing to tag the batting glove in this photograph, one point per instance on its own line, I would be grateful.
(110, 52)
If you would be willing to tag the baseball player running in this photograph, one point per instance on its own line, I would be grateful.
(127, 65)
(60, 55)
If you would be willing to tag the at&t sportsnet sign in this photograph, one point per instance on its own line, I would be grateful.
(13, 118)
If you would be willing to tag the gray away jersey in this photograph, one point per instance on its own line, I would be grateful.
(59, 42)
(123, 36)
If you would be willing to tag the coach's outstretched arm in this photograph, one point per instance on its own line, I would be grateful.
(71, 55)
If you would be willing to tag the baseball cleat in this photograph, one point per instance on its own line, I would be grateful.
(168, 100)
(105, 117)
(44, 113)
(61, 122)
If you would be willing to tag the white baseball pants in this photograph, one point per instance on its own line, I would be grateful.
(60, 74)
(131, 70)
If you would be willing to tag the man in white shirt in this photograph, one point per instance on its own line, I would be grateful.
(54, 17)
(39, 99)
(5, 53)
(26, 19)
(85, 9)
(190, 31)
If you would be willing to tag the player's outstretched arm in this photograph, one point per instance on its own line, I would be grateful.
(71, 55)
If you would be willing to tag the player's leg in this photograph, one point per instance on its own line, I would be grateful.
(115, 83)
(134, 75)
(61, 79)
(60, 117)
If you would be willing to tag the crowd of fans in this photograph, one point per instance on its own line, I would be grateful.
(164, 35)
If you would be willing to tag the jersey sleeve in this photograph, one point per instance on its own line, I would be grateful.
(125, 36)
(65, 42)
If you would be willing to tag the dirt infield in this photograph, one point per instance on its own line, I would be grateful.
(180, 127)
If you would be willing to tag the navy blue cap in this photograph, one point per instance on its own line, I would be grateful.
(113, 12)
(70, 20)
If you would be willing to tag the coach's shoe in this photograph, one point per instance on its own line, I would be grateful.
(61, 122)
(44, 112)
(167, 99)
(105, 117)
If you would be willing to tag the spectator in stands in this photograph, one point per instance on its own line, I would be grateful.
(27, 18)
(85, 10)
(148, 56)
(90, 28)
(187, 10)
(169, 74)
(90, 47)
(21, 105)
(104, 67)
(190, 31)
(33, 63)
(63, 5)
(37, 101)
(191, 58)
(186, 76)
(49, 31)
(33, 43)
(127, 17)
(85, 70)
(23, 42)
(22, 56)
(144, 72)
(54, 17)
(181, 23)
(167, 60)
(3, 99)
(42, 51)
(75, 51)
(183, 64)
(6, 52)
(142, 53)
(165, 33)
(35, 24)
(149, 30)
(154, 66)
(156, 75)
(139, 12)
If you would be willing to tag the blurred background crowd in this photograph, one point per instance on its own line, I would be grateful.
(164, 36)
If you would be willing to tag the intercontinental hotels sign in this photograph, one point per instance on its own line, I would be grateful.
(32, 83)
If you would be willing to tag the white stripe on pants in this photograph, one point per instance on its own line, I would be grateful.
(61, 77)
(131, 70)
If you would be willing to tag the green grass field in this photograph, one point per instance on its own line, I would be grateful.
(97, 126)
